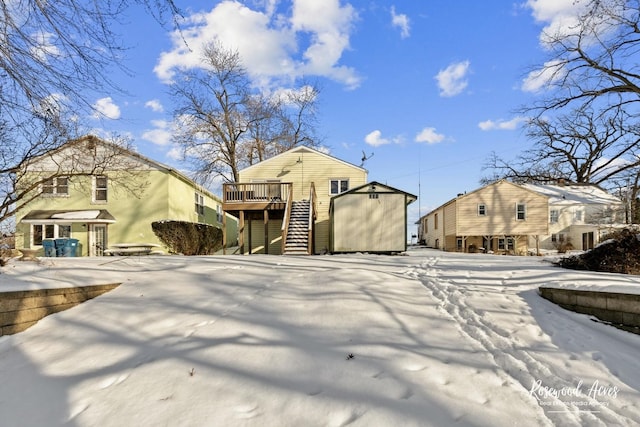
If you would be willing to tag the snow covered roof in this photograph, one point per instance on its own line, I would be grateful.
(571, 194)
(67, 216)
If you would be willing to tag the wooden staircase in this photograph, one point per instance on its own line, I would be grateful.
(297, 240)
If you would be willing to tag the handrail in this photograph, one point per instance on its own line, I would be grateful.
(286, 218)
(237, 192)
(312, 216)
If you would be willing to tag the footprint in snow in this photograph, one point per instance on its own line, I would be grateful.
(112, 380)
(246, 411)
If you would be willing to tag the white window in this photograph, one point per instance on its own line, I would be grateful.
(39, 232)
(521, 211)
(219, 213)
(555, 238)
(508, 243)
(199, 198)
(553, 216)
(337, 186)
(578, 216)
(58, 186)
(100, 183)
(482, 209)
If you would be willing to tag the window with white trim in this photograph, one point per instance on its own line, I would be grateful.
(482, 209)
(554, 215)
(100, 191)
(57, 186)
(338, 186)
(199, 199)
(219, 213)
(39, 232)
(521, 211)
(578, 215)
(507, 243)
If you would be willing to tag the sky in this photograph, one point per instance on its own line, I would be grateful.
(426, 91)
(428, 339)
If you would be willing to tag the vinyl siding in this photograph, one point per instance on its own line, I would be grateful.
(500, 200)
(356, 215)
(162, 194)
(301, 167)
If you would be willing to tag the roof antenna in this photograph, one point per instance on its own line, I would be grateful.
(365, 158)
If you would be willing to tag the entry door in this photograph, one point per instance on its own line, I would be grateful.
(97, 239)
(587, 241)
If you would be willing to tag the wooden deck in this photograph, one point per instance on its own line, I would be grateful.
(257, 196)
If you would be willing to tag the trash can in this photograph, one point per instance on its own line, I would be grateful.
(70, 247)
(60, 245)
(49, 248)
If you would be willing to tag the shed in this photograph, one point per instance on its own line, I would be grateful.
(369, 218)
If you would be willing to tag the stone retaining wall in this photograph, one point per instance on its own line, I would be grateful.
(616, 308)
(22, 309)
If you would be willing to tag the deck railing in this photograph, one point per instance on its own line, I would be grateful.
(256, 192)
(312, 217)
(286, 218)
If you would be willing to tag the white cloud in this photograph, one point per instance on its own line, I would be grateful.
(305, 40)
(160, 135)
(537, 80)
(401, 21)
(560, 16)
(43, 46)
(375, 139)
(502, 124)
(453, 79)
(429, 136)
(105, 107)
(155, 105)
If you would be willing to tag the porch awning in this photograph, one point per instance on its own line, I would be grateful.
(95, 216)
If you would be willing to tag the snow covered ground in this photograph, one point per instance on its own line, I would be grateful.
(429, 339)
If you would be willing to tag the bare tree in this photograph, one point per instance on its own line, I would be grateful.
(595, 59)
(54, 56)
(585, 126)
(582, 147)
(225, 124)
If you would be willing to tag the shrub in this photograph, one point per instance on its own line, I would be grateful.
(620, 254)
(188, 238)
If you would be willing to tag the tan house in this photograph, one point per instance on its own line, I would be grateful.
(282, 203)
(370, 218)
(100, 194)
(499, 218)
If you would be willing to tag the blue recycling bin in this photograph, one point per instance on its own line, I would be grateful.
(49, 248)
(60, 245)
(70, 247)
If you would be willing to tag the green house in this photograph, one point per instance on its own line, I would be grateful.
(103, 195)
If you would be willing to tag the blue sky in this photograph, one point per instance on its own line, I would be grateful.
(426, 89)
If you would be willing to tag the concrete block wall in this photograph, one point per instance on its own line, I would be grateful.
(617, 308)
(21, 309)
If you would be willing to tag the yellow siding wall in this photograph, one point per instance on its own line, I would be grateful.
(355, 215)
(434, 235)
(500, 200)
(302, 167)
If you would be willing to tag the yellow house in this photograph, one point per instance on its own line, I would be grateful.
(101, 195)
(282, 203)
(500, 218)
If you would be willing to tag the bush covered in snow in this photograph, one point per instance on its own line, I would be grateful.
(188, 238)
(618, 254)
